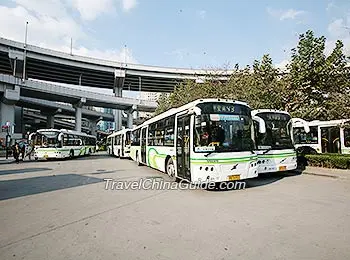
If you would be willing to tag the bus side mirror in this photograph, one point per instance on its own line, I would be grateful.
(262, 125)
(195, 111)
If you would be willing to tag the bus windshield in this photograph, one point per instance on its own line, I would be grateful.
(222, 133)
(278, 132)
(46, 139)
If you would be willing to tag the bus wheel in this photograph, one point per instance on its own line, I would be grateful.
(170, 169)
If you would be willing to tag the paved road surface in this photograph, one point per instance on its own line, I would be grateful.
(61, 210)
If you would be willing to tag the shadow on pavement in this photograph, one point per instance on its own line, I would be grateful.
(95, 156)
(18, 188)
(25, 170)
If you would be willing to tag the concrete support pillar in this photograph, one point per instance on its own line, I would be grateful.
(78, 117)
(130, 116)
(7, 114)
(50, 123)
(119, 78)
(130, 120)
(78, 113)
(118, 91)
(8, 110)
(93, 125)
(118, 119)
(50, 116)
(136, 114)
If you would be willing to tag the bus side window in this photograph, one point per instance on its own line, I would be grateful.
(347, 137)
(71, 140)
(151, 133)
(169, 131)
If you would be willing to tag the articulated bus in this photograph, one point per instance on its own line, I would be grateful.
(63, 143)
(324, 137)
(205, 140)
(118, 143)
(275, 147)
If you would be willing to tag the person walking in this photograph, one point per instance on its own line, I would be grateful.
(16, 152)
(30, 151)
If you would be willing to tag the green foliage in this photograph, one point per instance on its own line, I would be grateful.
(338, 161)
(316, 86)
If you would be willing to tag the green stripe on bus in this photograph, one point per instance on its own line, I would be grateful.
(227, 159)
(277, 155)
(219, 161)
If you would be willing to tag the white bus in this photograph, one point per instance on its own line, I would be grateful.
(324, 137)
(118, 143)
(63, 143)
(275, 147)
(205, 140)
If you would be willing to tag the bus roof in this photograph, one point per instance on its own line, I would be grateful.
(192, 104)
(122, 131)
(66, 131)
(257, 111)
(324, 123)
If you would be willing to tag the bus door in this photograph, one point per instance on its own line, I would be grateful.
(330, 139)
(183, 147)
(112, 144)
(143, 145)
(122, 145)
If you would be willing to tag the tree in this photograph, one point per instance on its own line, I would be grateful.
(316, 83)
(315, 87)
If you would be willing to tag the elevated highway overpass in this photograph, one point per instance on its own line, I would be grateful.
(50, 65)
(19, 64)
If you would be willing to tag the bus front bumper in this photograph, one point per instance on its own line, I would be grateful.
(269, 168)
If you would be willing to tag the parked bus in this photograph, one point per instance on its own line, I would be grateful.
(118, 143)
(55, 143)
(205, 140)
(324, 137)
(275, 147)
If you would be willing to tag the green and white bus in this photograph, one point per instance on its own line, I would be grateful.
(324, 137)
(205, 140)
(118, 143)
(63, 143)
(275, 147)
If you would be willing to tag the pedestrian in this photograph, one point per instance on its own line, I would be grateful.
(16, 152)
(23, 150)
(30, 151)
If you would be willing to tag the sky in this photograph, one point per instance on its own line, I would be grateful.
(176, 33)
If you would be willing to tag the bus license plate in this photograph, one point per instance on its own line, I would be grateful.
(233, 177)
(282, 168)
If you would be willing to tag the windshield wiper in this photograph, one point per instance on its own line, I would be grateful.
(268, 150)
(206, 155)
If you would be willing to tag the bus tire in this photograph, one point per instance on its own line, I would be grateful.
(170, 169)
(138, 159)
(71, 154)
